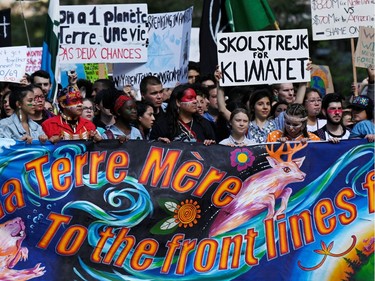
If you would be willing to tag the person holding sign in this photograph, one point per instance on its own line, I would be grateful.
(260, 110)
(181, 121)
(19, 126)
(295, 127)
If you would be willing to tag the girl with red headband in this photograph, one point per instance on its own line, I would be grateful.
(125, 111)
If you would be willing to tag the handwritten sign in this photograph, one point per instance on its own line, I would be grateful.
(12, 63)
(92, 71)
(364, 54)
(34, 59)
(338, 19)
(263, 57)
(168, 52)
(103, 33)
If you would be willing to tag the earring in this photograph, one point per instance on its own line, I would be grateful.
(19, 114)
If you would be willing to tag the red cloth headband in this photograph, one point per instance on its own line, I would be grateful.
(120, 102)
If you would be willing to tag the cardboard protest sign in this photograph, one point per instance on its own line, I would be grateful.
(263, 57)
(321, 79)
(103, 33)
(168, 52)
(364, 53)
(12, 63)
(334, 19)
(34, 59)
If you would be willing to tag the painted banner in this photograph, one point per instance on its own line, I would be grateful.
(339, 19)
(103, 33)
(364, 53)
(168, 52)
(181, 211)
(12, 63)
(263, 57)
(34, 59)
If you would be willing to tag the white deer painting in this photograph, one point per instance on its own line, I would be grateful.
(261, 190)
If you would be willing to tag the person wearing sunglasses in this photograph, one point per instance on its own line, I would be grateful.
(295, 126)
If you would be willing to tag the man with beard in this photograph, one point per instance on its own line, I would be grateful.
(333, 131)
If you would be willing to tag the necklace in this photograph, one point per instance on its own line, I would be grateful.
(235, 141)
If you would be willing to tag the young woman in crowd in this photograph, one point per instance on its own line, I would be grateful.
(41, 114)
(125, 111)
(181, 121)
(6, 110)
(313, 104)
(239, 123)
(69, 125)
(145, 118)
(295, 126)
(88, 109)
(19, 126)
(260, 109)
(277, 108)
(363, 117)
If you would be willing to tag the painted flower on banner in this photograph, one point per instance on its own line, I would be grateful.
(181, 214)
(187, 213)
(242, 158)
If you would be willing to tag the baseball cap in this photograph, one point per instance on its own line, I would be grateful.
(362, 102)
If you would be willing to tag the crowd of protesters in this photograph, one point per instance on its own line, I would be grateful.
(198, 111)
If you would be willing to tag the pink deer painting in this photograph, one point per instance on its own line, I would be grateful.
(261, 190)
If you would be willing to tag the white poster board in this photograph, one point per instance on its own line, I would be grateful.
(34, 59)
(103, 33)
(364, 53)
(339, 19)
(12, 63)
(194, 54)
(263, 57)
(168, 52)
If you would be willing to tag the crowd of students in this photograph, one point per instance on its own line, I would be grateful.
(198, 111)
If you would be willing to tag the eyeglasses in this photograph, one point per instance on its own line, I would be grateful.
(39, 98)
(88, 108)
(287, 124)
(314, 101)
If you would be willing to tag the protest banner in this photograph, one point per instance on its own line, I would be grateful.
(103, 33)
(364, 53)
(153, 211)
(263, 57)
(334, 19)
(321, 79)
(168, 52)
(34, 59)
(5, 28)
(12, 63)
